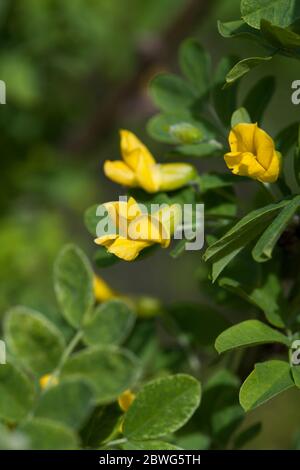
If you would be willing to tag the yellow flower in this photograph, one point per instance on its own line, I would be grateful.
(125, 400)
(136, 230)
(253, 153)
(48, 380)
(139, 168)
(102, 291)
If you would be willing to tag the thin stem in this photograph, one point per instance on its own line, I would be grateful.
(67, 352)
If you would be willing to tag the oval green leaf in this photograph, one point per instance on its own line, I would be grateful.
(162, 407)
(248, 333)
(73, 283)
(111, 323)
(34, 341)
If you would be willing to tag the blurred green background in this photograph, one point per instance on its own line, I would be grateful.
(77, 71)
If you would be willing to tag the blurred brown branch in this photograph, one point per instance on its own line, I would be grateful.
(151, 55)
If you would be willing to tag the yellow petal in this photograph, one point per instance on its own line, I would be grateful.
(102, 291)
(244, 164)
(106, 240)
(128, 249)
(120, 173)
(146, 227)
(264, 148)
(148, 175)
(125, 400)
(241, 138)
(175, 175)
(129, 145)
(271, 175)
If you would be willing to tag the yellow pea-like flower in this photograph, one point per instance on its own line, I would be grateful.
(136, 230)
(253, 153)
(125, 400)
(140, 169)
(48, 380)
(102, 291)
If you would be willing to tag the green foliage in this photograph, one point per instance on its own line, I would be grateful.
(177, 396)
(17, 393)
(243, 67)
(70, 403)
(279, 12)
(111, 323)
(73, 284)
(45, 434)
(68, 372)
(266, 381)
(108, 370)
(248, 333)
(35, 342)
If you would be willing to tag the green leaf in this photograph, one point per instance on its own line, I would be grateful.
(111, 323)
(285, 40)
(240, 116)
(162, 407)
(223, 251)
(203, 150)
(44, 434)
(243, 67)
(224, 100)
(236, 29)
(177, 128)
(109, 370)
(69, 403)
(73, 282)
(266, 297)
(16, 392)
(35, 342)
(219, 265)
(195, 64)
(267, 380)
(259, 97)
(149, 445)
(264, 247)
(279, 12)
(248, 333)
(243, 232)
(171, 93)
(101, 425)
(214, 181)
(91, 219)
(194, 441)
